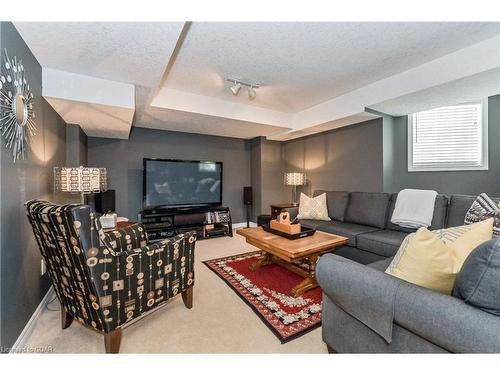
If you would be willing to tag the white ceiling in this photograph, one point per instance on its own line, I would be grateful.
(103, 57)
(315, 76)
(91, 102)
(117, 119)
(301, 64)
(159, 118)
(131, 52)
(468, 89)
(346, 121)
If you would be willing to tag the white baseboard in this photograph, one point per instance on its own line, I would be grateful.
(243, 225)
(19, 344)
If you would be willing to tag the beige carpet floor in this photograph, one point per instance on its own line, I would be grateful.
(219, 322)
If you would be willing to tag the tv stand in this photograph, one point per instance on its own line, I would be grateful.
(206, 221)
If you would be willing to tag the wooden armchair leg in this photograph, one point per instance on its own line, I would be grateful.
(187, 297)
(66, 318)
(112, 341)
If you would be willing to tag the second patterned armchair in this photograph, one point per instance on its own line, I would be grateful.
(107, 281)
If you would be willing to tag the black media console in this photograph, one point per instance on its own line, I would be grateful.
(208, 222)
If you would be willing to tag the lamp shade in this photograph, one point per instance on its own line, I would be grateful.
(80, 179)
(295, 179)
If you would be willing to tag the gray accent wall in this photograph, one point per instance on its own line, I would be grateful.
(76, 146)
(272, 170)
(267, 168)
(388, 141)
(343, 159)
(256, 176)
(349, 158)
(123, 160)
(446, 182)
(21, 286)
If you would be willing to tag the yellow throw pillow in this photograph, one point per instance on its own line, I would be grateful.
(465, 238)
(433, 259)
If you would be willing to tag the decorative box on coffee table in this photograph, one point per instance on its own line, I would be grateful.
(284, 228)
(283, 224)
(277, 208)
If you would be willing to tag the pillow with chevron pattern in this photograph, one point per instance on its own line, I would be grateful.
(484, 208)
(313, 208)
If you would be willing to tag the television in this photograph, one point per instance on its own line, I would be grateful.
(181, 183)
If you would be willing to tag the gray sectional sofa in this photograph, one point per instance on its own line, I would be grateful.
(368, 311)
(365, 218)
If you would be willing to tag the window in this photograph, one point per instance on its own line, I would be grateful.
(450, 138)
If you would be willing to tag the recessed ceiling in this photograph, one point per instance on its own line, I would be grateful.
(166, 119)
(301, 64)
(314, 76)
(131, 52)
(91, 116)
(468, 89)
(349, 120)
(91, 102)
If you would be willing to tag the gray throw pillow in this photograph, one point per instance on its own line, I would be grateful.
(478, 282)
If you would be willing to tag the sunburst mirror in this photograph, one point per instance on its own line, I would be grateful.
(17, 118)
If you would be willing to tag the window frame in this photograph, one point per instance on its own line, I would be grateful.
(484, 143)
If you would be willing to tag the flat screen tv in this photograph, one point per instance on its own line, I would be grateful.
(181, 183)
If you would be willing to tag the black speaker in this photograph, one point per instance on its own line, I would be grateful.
(105, 201)
(247, 195)
(248, 201)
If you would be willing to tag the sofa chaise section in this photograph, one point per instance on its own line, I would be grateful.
(421, 320)
(360, 315)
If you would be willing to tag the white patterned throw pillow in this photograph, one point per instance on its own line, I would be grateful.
(313, 208)
(483, 208)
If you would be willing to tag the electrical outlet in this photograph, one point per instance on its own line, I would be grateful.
(43, 267)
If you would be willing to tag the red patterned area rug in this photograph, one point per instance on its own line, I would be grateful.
(267, 292)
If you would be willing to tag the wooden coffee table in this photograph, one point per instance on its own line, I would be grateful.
(285, 252)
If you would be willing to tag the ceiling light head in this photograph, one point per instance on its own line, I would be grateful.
(251, 93)
(235, 89)
(237, 84)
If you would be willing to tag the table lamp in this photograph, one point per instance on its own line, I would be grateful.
(81, 180)
(295, 179)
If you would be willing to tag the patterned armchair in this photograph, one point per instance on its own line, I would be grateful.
(108, 280)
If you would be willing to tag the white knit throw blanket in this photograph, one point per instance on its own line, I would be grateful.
(414, 208)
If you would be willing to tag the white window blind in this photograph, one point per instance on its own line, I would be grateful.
(448, 138)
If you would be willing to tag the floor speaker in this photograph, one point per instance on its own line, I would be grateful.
(247, 195)
(248, 201)
(105, 201)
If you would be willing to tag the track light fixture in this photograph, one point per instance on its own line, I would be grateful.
(251, 93)
(235, 88)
